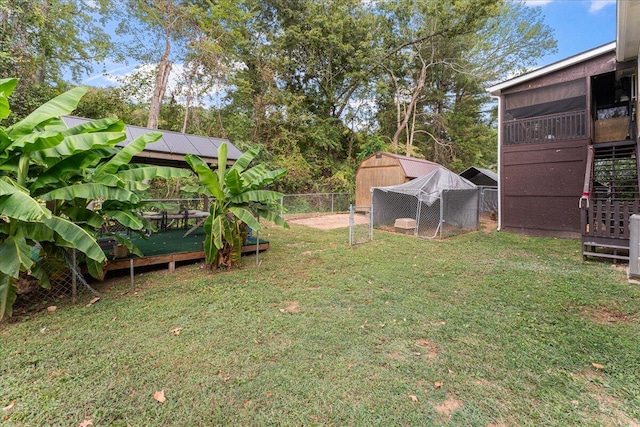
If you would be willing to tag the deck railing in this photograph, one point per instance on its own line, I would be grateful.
(552, 127)
(605, 228)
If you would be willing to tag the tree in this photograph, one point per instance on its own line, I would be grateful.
(433, 98)
(238, 200)
(68, 168)
(188, 32)
(40, 39)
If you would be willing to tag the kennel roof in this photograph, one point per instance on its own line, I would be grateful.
(427, 188)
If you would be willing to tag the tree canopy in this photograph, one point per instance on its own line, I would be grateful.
(316, 84)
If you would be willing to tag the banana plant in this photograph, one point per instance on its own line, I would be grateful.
(238, 199)
(50, 174)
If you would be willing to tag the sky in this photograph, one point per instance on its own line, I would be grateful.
(578, 25)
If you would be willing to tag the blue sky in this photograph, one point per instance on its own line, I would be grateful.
(578, 25)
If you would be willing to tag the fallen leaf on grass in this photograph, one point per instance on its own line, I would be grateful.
(413, 397)
(86, 423)
(52, 308)
(438, 384)
(159, 396)
(597, 366)
(176, 331)
(93, 301)
(9, 406)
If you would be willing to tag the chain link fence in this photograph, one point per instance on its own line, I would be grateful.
(453, 212)
(488, 199)
(315, 203)
(66, 281)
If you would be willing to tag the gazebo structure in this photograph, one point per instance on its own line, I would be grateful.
(172, 147)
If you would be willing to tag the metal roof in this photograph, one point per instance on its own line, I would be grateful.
(413, 167)
(172, 146)
(473, 172)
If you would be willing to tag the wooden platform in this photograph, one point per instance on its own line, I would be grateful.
(171, 259)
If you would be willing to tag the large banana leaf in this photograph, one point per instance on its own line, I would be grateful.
(36, 231)
(17, 204)
(150, 172)
(126, 154)
(91, 191)
(127, 219)
(6, 89)
(244, 160)
(234, 182)
(272, 216)
(102, 125)
(5, 142)
(7, 295)
(15, 254)
(245, 216)
(82, 142)
(80, 214)
(256, 196)
(207, 177)
(69, 167)
(222, 161)
(58, 106)
(75, 237)
(36, 141)
(263, 178)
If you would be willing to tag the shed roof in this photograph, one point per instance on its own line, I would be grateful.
(412, 167)
(474, 173)
(172, 146)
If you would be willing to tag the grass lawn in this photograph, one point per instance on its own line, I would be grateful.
(486, 329)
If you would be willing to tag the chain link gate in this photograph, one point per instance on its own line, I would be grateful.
(360, 224)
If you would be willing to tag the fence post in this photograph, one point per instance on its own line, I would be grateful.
(282, 205)
(332, 202)
(351, 225)
(74, 277)
(442, 202)
(371, 223)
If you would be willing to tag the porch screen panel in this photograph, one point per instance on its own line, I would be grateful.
(546, 114)
(558, 98)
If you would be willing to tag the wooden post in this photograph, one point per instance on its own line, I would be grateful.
(133, 283)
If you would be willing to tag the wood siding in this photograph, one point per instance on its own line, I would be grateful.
(377, 172)
(541, 183)
(541, 187)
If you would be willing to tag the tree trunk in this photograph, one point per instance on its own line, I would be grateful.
(414, 99)
(162, 78)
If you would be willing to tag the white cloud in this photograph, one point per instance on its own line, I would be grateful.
(597, 5)
(533, 3)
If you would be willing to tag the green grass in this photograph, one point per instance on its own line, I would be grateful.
(484, 329)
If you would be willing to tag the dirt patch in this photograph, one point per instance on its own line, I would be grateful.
(605, 316)
(292, 307)
(488, 223)
(430, 348)
(329, 222)
(448, 407)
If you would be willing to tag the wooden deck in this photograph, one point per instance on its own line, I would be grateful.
(171, 258)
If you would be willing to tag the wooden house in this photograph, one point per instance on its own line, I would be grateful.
(568, 144)
(386, 169)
